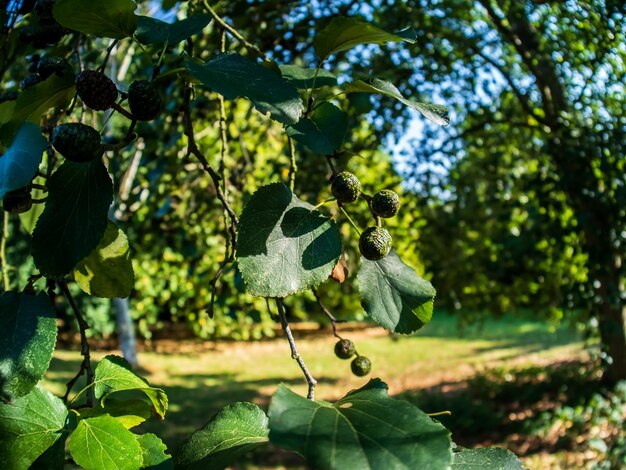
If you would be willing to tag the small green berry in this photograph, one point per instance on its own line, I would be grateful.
(345, 187)
(344, 349)
(361, 366)
(385, 203)
(77, 142)
(144, 100)
(375, 243)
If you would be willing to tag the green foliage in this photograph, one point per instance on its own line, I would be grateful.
(154, 453)
(285, 245)
(27, 346)
(75, 217)
(36, 100)
(19, 163)
(323, 132)
(102, 18)
(236, 429)
(365, 429)
(490, 458)
(394, 295)
(153, 31)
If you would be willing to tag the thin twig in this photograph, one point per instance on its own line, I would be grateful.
(293, 168)
(117, 107)
(108, 54)
(294, 350)
(3, 253)
(85, 366)
(330, 316)
(233, 31)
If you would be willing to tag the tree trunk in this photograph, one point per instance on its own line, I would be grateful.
(126, 331)
(612, 322)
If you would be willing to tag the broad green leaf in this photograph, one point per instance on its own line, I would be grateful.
(153, 31)
(233, 76)
(490, 458)
(29, 426)
(19, 163)
(103, 18)
(303, 79)
(34, 101)
(107, 271)
(153, 450)
(324, 131)
(54, 457)
(394, 295)
(75, 217)
(29, 219)
(284, 245)
(114, 374)
(344, 33)
(129, 413)
(27, 343)
(233, 431)
(102, 443)
(7, 110)
(434, 112)
(365, 429)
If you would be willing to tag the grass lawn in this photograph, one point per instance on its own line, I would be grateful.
(201, 377)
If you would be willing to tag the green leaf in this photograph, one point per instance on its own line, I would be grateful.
(19, 163)
(7, 110)
(233, 76)
(153, 31)
(302, 78)
(324, 131)
(103, 18)
(107, 271)
(114, 374)
(344, 33)
(365, 429)
(436, 113)
(490, 458)
(27, 343)
(129, 413)
(394, 295)
(153, 450)
(284, 245)
(34, 101)
(233, 431)
(75, 217)
(102, 443)
(53, 458)
(29, 426)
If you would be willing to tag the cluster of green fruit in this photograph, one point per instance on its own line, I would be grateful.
(360, 365)
(43, 29)
(375, 242)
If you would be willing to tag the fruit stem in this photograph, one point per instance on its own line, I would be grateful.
(293, 168)
(3, 255)
(331, 317)
(440, 413)
(350, 220)
(294, 350)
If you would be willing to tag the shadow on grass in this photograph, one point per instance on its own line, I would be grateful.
(503, 404)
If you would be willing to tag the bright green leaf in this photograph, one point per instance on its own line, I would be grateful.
(394, 295)
(34, 101)
(102, 443)
(490, 458)
(19, 163)
(365, 429)
(53, 458)
(233, 76)
(344, 33)
(7, 110)
(153, 450)
(29, 426)
(75, 217)
(303, 79)
(129, 413)
(153, 31)
(436, 113)
(233, 431)
(107, 271)
(103, 18)
(284, 245)
(27, 343)
(323, 131)
(114, 374)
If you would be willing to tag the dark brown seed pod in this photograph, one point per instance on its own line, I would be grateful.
(344, 349)
(77, 142)
(96, 90)
(144, 100)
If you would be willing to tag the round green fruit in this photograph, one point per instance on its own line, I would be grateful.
(144, 100)
(345, 187)
(361, 366)
(344, 349)
(96, 90)
(77, 142)
(385, 203)
(375, 243)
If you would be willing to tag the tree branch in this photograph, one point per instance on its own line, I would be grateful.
(294, 350)
(330, 316)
